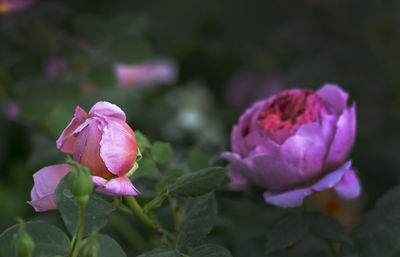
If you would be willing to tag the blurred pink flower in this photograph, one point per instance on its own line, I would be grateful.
(149, 73)
(11, 110)
(54, 67)
(12, 6)
(295, 143)
(249, 86)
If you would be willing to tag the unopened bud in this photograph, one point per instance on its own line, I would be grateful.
(89, 246)
(80, 183)
(23, 243)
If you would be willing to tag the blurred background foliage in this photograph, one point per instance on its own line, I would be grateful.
(55, 55)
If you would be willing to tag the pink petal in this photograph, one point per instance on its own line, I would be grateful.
(45, 183)
(334, 96)
(47, 179)
(66, 141)
(245, 125)
(118, 147)
(118, 186)
(107, 109)
(349, 187)
(237, 169)
(99, 181)
(238, 182)
(87, 149)
(295, 197)
(344, 138)
(43, 204)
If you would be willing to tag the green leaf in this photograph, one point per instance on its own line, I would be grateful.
(161, 185)
(197, 160)
(97, 209)
(162, 152)
(199, 182)
(162, 251)
(156, 202)
(327, 228)
(291, 228)
(379, 232)
(49, 240)
(146, 166)
(198, 222)
(173, 174)
(210, 250)
(57, 118)
(388, 205)
(109, 247)
(142, 140)
(376, 237)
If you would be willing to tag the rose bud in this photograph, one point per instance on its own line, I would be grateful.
(89, 246)
(105, 144)
(295, 143)
(81, 184)
(46, 181)
(23, 244)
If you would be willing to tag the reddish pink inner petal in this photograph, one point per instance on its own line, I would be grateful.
(87, 151)
(290, 110)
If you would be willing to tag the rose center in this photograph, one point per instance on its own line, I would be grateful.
(290, 110)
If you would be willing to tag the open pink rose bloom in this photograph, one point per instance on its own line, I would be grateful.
(295, 143)
(100, 141)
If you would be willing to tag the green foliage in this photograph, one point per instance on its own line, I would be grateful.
(89, 246)
(103, 76)
(327, 228)
(156, 202)
(131, 49)
(199, 182)
(162, 152)
(109, 247)
(210, 250)
(197, 160)
(289, 229)
(23, 244)
(146, 166)
(162, 251)
(84, 28)
(173, 174)
(142, 141)
(49, 240)
(198, 222)
(97, 209)
(378, 235)
(57, 118)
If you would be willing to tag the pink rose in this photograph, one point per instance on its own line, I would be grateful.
(100, 141)
(295, 143)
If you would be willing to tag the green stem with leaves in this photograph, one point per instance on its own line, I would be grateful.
(75, 250)
(172, 202)
(138, 212)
